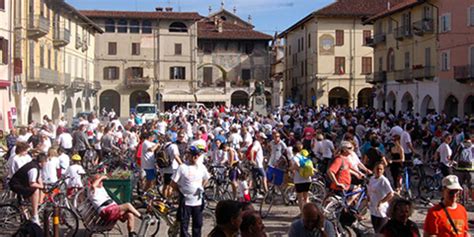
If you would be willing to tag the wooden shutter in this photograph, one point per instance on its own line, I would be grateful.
(340, 65)
(177, 49)
(112, 48)
(339, 37)
(2, 4)
(366, 34)
(4, 47)
(366, 65)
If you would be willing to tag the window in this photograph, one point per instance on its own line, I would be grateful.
(55, 60)
(427, 57)
(146, 27)
(207, 77)
(302, 69)
(41, 56)
(339, 37)
(109, 26)
(407, 60)
(427, 13)
(470, 16)
(366, 65)
(178, 73)
(390, 26)
(380, 64)
(2, 4)
(407, 24)
(445, 24)
(134, 26)
(366, 34)
(4, 51)
(177, 49)
(248, 48)
(309, 40)
(471, 57)
(302, 43)
(49, 58)
(246, 74)
(340, 65)
(178, 27)
(111, 73)
(135, 48)
(445, 61)
(207, 47)
(112, 48)
(135, 73)
(391, 62)
(122, 26)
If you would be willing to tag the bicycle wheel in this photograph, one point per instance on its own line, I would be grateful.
(426, 188)
(317, 192)
(10, 219)
(267, 203)
(68, 222)
(79, 197)
(290, 195)
(331, 207)
(153, 229)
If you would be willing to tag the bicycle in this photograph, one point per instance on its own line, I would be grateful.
(218, 185)
(270, 199)
(429, 185)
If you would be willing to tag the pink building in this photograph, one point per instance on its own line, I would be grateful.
(456, 56)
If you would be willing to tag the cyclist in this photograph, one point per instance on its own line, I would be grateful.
(256, 159)
(444, 154)
(341, 169)
(278, 162)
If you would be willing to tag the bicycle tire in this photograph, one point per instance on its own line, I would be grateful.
(154, 229)
(79, 197)
(68, 222)
(11, 219)
(290, 195)
(331, 208)
(426, 188)
(317, 192)
(266, 204)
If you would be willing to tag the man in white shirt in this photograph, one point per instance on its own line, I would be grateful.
(190, 180)
(326, 149)
(256, 158)
(148, 159)
(20, 158)
(445, 153)
(65, 142)
(277, 163)
(405, 140)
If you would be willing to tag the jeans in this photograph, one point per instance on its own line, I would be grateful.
(196, 214)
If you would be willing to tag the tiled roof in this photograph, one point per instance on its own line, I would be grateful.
(142, 15)
(395, 8)
(208, 30)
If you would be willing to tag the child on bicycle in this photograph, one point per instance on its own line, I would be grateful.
(244, 190)
(74, 172)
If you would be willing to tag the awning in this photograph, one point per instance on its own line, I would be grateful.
(178, 98)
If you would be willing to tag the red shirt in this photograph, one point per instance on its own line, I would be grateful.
(437, 222)
(341, 167)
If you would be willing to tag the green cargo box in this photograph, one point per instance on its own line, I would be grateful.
(120, 190)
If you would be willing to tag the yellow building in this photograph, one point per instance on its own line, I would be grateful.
(326, 55)
(404, 42)
(42, 32)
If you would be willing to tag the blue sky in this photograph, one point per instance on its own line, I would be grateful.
(268, 16)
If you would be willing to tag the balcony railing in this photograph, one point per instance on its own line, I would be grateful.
(404, 75)
(240, 83)
(96, 86)
(78, 84)
(44, 78)
(62, 37)
(138, 81)
(402, 32)
(376, 77)
(422, 27)
(376, 39)
(464, 74)
(67, 79)
(213, 84)
(427, 72)
(38, 26)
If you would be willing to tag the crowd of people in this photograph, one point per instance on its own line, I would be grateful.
(346, 146)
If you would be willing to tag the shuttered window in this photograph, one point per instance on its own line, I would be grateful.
(340, 65)
(339, 37)
(367, 34)
(366, 65)
(112, 48)
(135, 48)
(4, 51)
(111, 73)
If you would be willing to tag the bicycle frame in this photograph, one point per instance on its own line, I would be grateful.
(362, 191)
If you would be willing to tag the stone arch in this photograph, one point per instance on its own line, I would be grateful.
(56, 111)
(178, 27)
(469, 105)
(110, 99)
(407, 102)
(138, 97)
(34, 113)
(78, 105)
(391, 102)
(338, 96)
(451, 106)
(427, 105)
(365, 98)
(219, 67)
(68, 108)
(239, 98)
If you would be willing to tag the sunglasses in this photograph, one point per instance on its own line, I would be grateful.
(453, 192)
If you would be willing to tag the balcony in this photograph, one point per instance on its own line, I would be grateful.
(38, 26)
(240, 83)
(402, 32)
(62, 37)
(42, 78)
(464, 74)
(212, 84)
(404, 75)
(427, 72)
(138, 82)
(376, 39)
(377, 77)
(67, 79)
(96, 86)
(78, 84)
(422, 27)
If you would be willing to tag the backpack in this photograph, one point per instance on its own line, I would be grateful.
(163, 160)
(465, 157)
(29, 229)
(306, 169)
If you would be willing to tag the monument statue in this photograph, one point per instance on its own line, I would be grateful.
(259, 102)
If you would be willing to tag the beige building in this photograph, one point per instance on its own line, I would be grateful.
(6, 65)
(326, 56)
(42, 34)
(171, 58)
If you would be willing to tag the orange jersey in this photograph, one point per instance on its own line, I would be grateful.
(437, 222)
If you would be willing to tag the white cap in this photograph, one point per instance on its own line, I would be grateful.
(451, 182)
(262, 135)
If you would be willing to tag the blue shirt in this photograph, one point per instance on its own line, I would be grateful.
(297, 230)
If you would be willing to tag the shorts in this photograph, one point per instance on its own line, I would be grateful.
(111, 212)
(258, 172)
(302, 187)
(167, 179)
(234, 174)
(150, 174)
(275, 175)
(24, 191)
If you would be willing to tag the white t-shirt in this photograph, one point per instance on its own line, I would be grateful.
(33, 175)
(65, 140)
(444, 152)
(74, 173)
(257, 148)
(63, 162)
(189, 179)
(377, 189)
(354, 160)
(404, 139)
(148, 157)
(235, 139)
(18, 162)
(243, 189)
(325, 148)
(49, 170)
(297, 179)
(172, 151)
(161, 127)
(276, 153)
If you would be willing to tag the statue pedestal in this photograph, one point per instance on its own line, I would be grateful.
(259, 104)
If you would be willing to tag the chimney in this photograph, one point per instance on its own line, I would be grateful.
(250, 19)
(235, 10)
(388, 5)
(159, 9)
(210, 9)
(169, 9)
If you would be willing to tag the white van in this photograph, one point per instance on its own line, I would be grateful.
(195, 106)
(147, 111)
